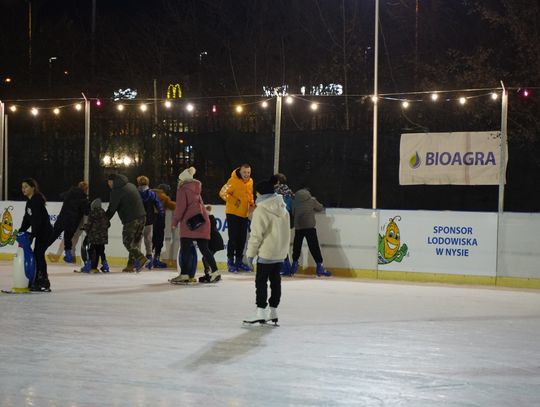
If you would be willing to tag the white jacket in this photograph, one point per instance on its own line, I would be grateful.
(270, 233)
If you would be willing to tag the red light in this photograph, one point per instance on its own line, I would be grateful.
(214, 109)
(98, 102)
(525, 93)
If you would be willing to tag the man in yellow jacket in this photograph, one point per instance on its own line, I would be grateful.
(238, 196)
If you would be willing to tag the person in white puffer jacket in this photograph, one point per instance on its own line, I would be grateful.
(269, 241)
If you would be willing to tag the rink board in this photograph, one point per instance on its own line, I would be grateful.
(349, 243)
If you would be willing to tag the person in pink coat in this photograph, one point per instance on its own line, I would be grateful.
(191, 215)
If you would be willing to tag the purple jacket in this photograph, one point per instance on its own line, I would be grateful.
(189, 203)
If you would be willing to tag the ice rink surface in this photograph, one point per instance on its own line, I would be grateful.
(135, 340)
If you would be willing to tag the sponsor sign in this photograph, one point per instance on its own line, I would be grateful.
(468, 158)
(438, 242)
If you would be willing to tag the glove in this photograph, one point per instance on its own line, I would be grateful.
(250, 262)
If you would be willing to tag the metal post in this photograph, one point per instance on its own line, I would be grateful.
(6, 158)
(277, 134)
(375, 106)
(2, 134)
(502, 172)
(155, 103)
(86, 140)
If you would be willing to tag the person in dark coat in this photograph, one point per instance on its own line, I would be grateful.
(215, 244)
(37, 218)
(154, 209)
(125, 200)
(75, 206)
(97, 230)
(158, 230)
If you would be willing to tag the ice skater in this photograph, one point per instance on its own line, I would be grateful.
(191, 215)
(97, 232)
(215, 245)
(269, 241)
(154, 210)
(37, 218)
(304, 208)
(281, 188)
(158, 230)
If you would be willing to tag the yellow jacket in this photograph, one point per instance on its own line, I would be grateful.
(238, 195)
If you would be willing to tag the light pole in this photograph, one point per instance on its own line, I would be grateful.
(375, 106)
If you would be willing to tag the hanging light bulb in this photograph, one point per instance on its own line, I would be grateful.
(168, 104)
(214, 109)
(494, 96)
(374, 99)
(264, 104)
(462, 100)
(34, 111)
(405, 104)
(314, 106)
(289, 100)
(13, 108)
(56, 111)
(120, 107)
(434, 97)
(239, 109)
(190, 107)
(78, 107)
(143, 107)
(98, 103)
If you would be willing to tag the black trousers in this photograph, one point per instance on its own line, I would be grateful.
(40, 246)
(158, 235)
(69, 229)
(237, 229)
(97, 252)
(267, 272)
(202, 244)
(312, 241)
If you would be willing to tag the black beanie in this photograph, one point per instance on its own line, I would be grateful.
(265, 187)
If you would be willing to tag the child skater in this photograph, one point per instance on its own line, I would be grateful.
(304, 208)
(98, 236)
(269, 240)
(37, 217)
(215, 244)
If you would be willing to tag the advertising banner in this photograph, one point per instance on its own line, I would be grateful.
(438, 242)
(467, 158)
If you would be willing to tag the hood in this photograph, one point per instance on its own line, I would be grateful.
(272, 203)
(193, 185)
(302, 195)
(146, 194)
(236, 174)
(96, 204)
(119, 181)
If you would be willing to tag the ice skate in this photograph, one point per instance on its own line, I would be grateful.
(68, 257)
(240, 266)
(140, 263)
(150, 262)
(294, 268)
(159, 264)
(321, 271)
(231, 267)
(259, 317)
(104, 267)
(85, 268)
(183, 279)
(272, 316)
(128, 269)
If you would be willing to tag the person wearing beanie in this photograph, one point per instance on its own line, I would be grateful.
(154, 209)
(281, 187)
(238, 196)
(97, 232)
(125, 200)
(158, 229)
(304, 208)
(189, 206)
(269, 241)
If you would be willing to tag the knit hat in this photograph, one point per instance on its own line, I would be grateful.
(265, 187)
(96, 204)
(187, 174)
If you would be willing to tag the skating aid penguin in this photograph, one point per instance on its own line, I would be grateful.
(24, 264)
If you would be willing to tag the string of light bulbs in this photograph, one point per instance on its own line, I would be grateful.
(406, 99)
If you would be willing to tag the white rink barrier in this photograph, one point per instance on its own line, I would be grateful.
(456, 247)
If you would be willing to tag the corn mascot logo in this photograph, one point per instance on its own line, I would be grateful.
(390, 247)
(7, 234)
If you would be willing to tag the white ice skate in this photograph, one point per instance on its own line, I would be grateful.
(272, 316)
(260, 317)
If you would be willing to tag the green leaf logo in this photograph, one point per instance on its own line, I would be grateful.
(415, 161)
